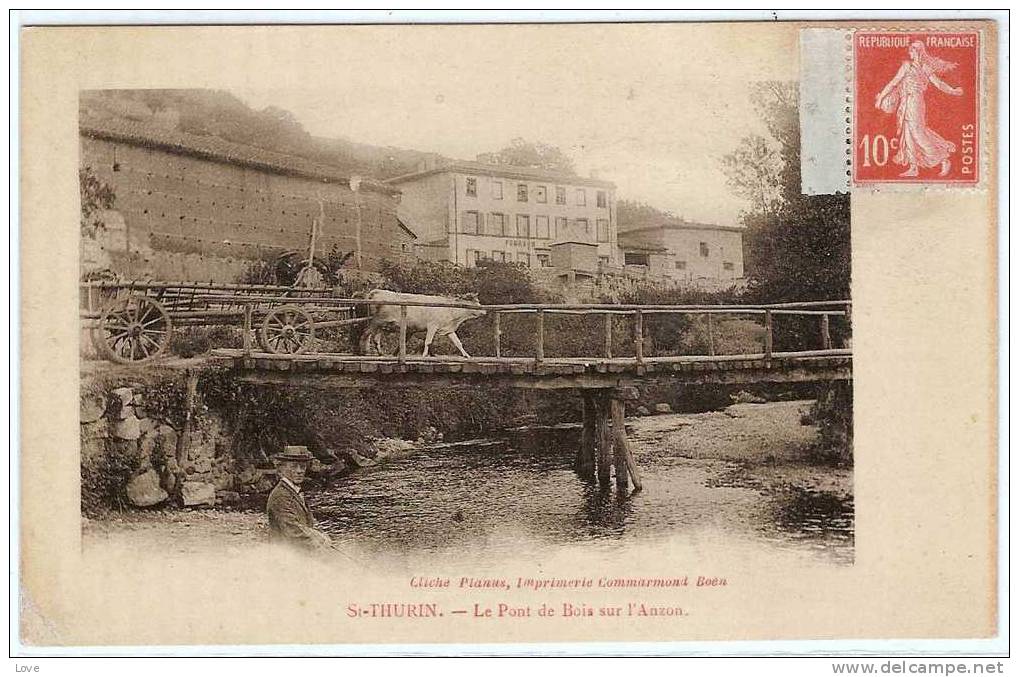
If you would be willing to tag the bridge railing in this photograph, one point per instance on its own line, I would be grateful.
(824, 311)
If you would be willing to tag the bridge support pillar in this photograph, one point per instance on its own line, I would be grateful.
(604, 450)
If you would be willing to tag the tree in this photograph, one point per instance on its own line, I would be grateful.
(630, 213)
(96, 195)
(523, 153)
(752, 172)
(797, 246)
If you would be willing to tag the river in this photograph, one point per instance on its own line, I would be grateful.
(710, 480)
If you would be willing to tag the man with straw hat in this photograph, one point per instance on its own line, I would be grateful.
(290, 520)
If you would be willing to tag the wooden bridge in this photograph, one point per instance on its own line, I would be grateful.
(605, 381)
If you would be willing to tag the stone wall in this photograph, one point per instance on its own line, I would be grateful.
(198, 469)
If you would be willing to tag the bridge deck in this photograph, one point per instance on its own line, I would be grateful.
(558, 372)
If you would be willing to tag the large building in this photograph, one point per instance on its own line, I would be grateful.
(468, 211)
(684, 251)
(192, 207)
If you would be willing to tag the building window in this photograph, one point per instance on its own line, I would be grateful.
(560, 227)
(541, 227)
(521, 192)
(583, 225)
(498, 256)
(728, 265)
(603, 261)
(635, 259)
(560, 195)
(680, 265)
(603, 230)
(497, 190)
(704, 248)
(473, 256)
(581, 197)
(496, 224)
(524, 258)
(523, 225)
(543, 260)
(470, 222)
(601, 199)
(541, 194)
(472, 186)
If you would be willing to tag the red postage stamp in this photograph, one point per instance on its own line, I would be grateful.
(917, 113)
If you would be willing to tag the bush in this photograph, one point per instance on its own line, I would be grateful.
(103, 478)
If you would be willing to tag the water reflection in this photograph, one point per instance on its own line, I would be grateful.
(521, 496)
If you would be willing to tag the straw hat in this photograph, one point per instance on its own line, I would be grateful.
(294, 453)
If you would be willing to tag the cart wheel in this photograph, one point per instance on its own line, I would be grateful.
(133, 329)
(287, 330)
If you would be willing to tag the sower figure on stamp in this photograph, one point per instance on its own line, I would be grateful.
(290, 520)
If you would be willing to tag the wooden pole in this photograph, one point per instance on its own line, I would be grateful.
(619, 446)
(768, 337)
(184, 438)
(608, 335)
(711, 336)
(638, 338)
(497, 333)
(247, 329)
(402, 357)
(604, 442)
(825, 333)
(539, 349)
(585, 454)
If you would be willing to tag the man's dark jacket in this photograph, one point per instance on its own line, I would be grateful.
(289, 517)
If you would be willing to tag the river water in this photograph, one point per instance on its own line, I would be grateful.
(517, 496)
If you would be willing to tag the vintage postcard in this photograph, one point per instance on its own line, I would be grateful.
(459, 335)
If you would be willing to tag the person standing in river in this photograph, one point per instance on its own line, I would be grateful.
(290, 520)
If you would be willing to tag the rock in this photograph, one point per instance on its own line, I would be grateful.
(361, 461)
(202, 464)
(316, 466)
(92, 447)
(227, 497)
(643, 411)
(93, 406)
(124, 448)
(223, 481)
(146, 447)
(663, 408)
(127, 428)
(96, 430)
(198, 493)
(166, 446)
(144, 490)
(138, 399)
(145, 424)
(744, 397)
(141, 413)
(387, 447)
(123, 398)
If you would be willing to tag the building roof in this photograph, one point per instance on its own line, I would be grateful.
(636, 244)
(678, 225)
(219, 150)
(505, 171)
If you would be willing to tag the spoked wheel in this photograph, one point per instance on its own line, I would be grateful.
(287, 330)
(134, 329)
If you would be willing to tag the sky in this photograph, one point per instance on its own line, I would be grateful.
(652, 108)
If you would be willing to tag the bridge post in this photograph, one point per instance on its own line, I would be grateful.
(497, 333)
(608, 335)
(585, 454)
(711, 335)
(402, 356)
(539, 349)
(604, 441)
(638, 338)
(626, 466)
(825, 333)
(768, 336)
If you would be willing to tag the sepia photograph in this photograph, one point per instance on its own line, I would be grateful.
(507, 333)
(316, 329)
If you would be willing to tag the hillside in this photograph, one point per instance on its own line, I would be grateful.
(221, 114)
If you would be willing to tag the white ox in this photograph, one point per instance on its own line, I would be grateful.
(434, 321)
